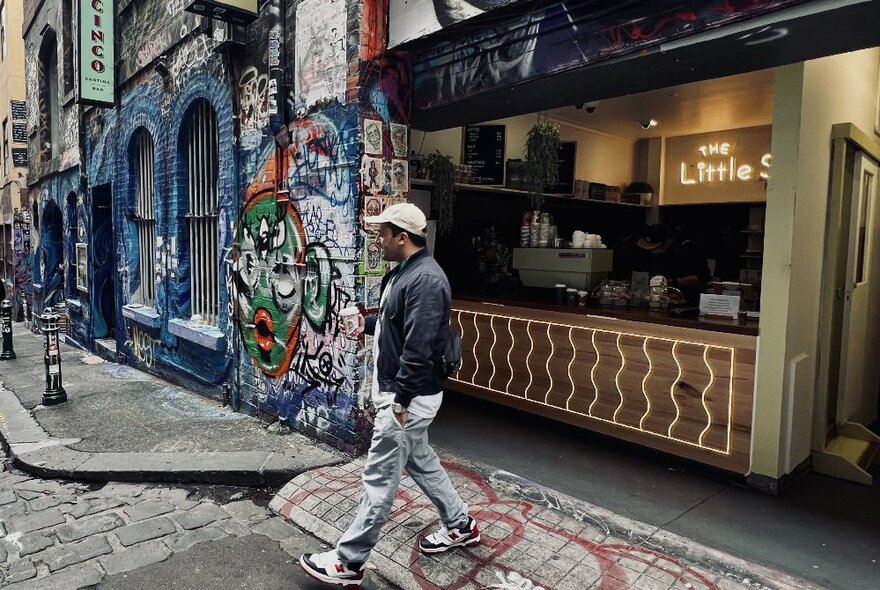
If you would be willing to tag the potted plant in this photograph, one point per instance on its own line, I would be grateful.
(541, 160)
(441, 171)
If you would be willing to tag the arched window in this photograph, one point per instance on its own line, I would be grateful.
(47, 100)
(201, 154)
(145, 218)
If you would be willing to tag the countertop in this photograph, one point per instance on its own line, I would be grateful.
(634, 314)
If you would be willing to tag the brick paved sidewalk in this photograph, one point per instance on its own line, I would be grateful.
(533, 538)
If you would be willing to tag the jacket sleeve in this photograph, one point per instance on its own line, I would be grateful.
(370, 324)
(426, 301)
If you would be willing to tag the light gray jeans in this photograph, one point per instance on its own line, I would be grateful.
(392, 449)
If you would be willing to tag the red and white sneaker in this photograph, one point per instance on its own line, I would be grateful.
(327, 568)
(446, 539)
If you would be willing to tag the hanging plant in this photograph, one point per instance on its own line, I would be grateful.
(442, 172)
(541, 160)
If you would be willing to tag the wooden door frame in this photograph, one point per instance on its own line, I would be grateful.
(847, 139)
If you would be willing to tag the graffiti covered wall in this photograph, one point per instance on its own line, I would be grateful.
(159, 103)
(299, 244)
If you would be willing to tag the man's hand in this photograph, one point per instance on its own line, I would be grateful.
(401, 418)
(358, 331)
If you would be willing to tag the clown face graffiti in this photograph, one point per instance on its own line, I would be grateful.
(278, 279)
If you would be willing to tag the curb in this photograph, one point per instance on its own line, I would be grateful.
(34, 451)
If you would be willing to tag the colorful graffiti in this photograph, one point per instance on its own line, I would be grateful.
(559, 37)
(321, 61)
(22, 261)
(321, 154)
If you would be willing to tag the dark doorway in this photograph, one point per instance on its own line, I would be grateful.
(52, 253)
(103, 255)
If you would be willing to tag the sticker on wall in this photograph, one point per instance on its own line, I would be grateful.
(373, 137)
(373, 206)
(373, 291)
(399, 140)
(372, 175)
(373, 263)
(399, 176)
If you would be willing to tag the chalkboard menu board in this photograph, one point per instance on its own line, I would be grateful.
(19, 157)
(19, 132)
(484, 153)
(19, 110)
(567, 153)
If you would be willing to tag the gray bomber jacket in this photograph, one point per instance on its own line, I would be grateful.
(416, 307)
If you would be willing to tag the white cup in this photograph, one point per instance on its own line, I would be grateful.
(350, 322)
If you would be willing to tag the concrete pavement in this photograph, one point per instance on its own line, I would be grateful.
(533, 538)
(121, 424)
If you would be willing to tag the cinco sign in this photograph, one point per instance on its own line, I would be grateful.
(96, 83)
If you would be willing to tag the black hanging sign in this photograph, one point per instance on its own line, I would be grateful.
(19, 157)
(19, 132)
(484, 153)
(567, 153)
(19, 110)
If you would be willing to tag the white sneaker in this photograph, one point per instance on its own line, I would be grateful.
(446, 539)
(327, 568)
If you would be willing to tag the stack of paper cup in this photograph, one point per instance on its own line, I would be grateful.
(577, 239)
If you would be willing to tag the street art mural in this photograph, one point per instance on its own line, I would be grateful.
(22, 262)
(413, 19)
(321, 60)
(558, 37)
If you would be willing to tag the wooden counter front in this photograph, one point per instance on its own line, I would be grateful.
(681, 390)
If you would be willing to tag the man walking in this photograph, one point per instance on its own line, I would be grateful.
(408, 335)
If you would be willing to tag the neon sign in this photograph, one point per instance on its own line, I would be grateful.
(719, 165)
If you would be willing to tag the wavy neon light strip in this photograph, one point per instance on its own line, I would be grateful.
(593, 375)
(492, 348)
(645, 384)
(476, 342)
(617, 378)
(529, 369)
(547, 365)
(731, 399)
(621, 425)
(672, 391)
(461, 328)
(574, 353)
(509, 364)
(705, 393)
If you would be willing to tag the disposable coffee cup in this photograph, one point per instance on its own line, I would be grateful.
(350, 322)
(559, 294)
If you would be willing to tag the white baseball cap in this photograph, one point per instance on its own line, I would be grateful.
(406, 216)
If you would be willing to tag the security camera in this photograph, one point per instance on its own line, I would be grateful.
(592, 106)
(648, 124)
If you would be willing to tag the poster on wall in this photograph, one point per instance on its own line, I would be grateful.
(82, 267)
(372, 175)
(373, 137)
(414, 19)
(399, 142)
(321, 63)
(96, 82)
(484, 153)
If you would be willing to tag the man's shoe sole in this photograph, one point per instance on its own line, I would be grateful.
(468, 543)
(327, 579)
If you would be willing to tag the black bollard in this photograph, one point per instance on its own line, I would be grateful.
(6, 322)
(54, 393)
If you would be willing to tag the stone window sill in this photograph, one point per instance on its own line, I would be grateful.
(209, 337)
(141, 314)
